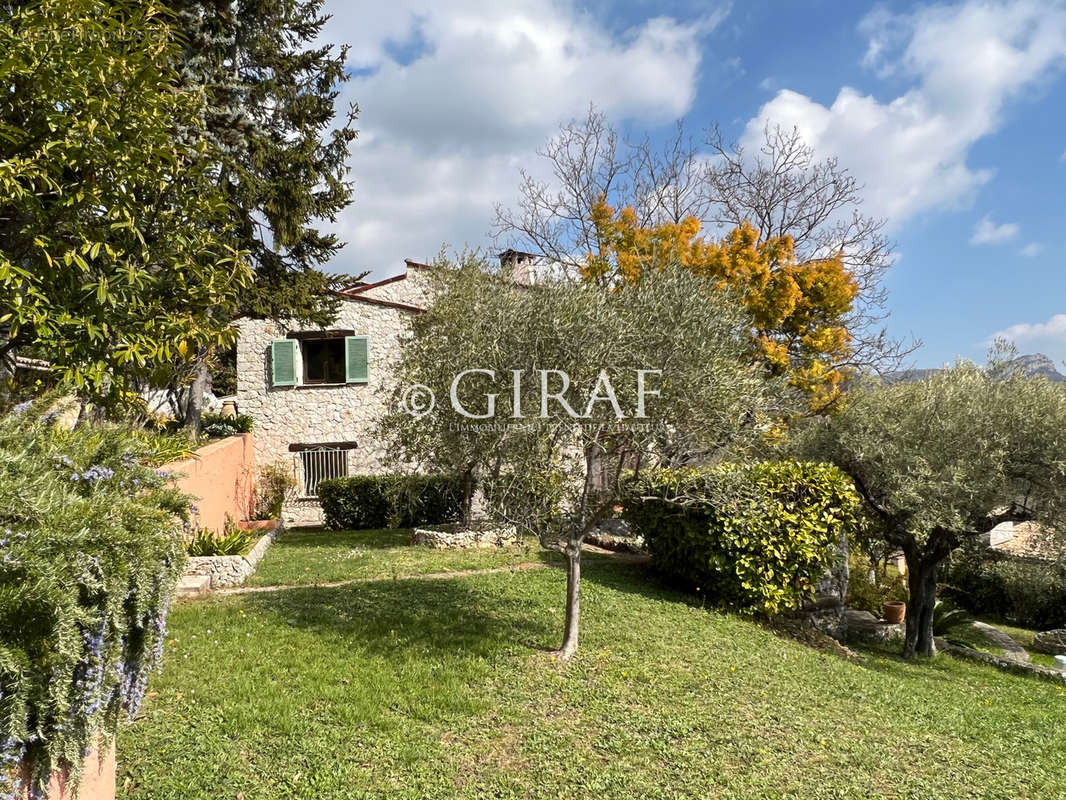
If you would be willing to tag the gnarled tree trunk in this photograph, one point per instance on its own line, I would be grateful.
(573, 600)
(922, 566)
(921, 581)
(194, 404)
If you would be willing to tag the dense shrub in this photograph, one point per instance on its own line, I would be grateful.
(1028, 593)
(390, 500)
(753, 537)
(272, 485)
(217, 426)
(90, 555)
(870, 592)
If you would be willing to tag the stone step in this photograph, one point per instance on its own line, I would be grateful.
(194, 585)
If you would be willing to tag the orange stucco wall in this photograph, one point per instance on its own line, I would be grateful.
(222, 477)
(97, 780)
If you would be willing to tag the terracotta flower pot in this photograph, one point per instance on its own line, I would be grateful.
(894, 611)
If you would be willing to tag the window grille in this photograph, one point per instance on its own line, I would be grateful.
(320, 465)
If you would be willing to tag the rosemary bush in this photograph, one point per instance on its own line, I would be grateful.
(90, 554)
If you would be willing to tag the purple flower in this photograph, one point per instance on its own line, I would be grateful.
(21, 407)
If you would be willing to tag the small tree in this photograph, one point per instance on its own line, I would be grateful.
(781, 188)
(944, 460)
(566, 385)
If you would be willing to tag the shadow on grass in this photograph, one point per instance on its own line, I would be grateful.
(442, 617)
(372, 539)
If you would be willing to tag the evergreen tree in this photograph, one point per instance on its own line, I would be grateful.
(271, 89)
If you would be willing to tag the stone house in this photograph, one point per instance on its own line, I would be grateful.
(315, 395)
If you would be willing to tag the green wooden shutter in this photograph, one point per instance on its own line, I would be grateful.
(356, 351)
(283, 362)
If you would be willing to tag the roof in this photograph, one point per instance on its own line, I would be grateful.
(1026, 540)
(358, 292)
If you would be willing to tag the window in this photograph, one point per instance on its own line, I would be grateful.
(310, 359)
(319, 465)
(323, 360)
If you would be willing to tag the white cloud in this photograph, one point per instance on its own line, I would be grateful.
(1032, 249)
(445, 128)
(1052, 330)
(988, 232)
(966, 62)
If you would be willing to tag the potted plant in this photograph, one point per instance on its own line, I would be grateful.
(894, 611)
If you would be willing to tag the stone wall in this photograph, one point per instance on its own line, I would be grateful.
(446, 537)
(413, 290)
(328, 413)
(231, 570)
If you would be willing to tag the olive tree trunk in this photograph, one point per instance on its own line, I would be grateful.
(923, 563)
(194, 404)
(921, 581)
(573, 600)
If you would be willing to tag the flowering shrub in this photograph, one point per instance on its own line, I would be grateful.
(90, 554)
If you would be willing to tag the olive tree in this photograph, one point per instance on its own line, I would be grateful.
(559, 387)
(945, 459)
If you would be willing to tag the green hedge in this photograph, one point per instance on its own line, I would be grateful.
(90, 555)
(755, 538)
(391, 500)
(1030, 594)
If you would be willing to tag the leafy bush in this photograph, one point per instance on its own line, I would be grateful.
(756, 537)
(948, 617)
(390, 500)
(1028, 593)
(868, 593)
(511, 498)
(272, 486)
(217, 426)
(90, 555)
(233, 541)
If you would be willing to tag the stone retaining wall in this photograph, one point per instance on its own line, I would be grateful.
(446, 539)
(231, 570)
(1007, 664)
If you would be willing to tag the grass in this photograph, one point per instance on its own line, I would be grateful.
(307, 557)
(442, 688)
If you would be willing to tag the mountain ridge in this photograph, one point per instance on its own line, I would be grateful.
(1031, 365)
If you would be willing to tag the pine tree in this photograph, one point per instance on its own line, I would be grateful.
(271, 89)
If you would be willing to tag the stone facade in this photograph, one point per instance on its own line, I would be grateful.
(329, 413)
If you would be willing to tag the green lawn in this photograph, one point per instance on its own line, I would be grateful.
(305, 557)
(441, 688)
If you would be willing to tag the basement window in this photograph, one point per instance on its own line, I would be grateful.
(320, 464)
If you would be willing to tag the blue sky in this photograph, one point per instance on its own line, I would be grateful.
(952, 114)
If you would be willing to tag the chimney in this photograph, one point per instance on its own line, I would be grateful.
(519, 264)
